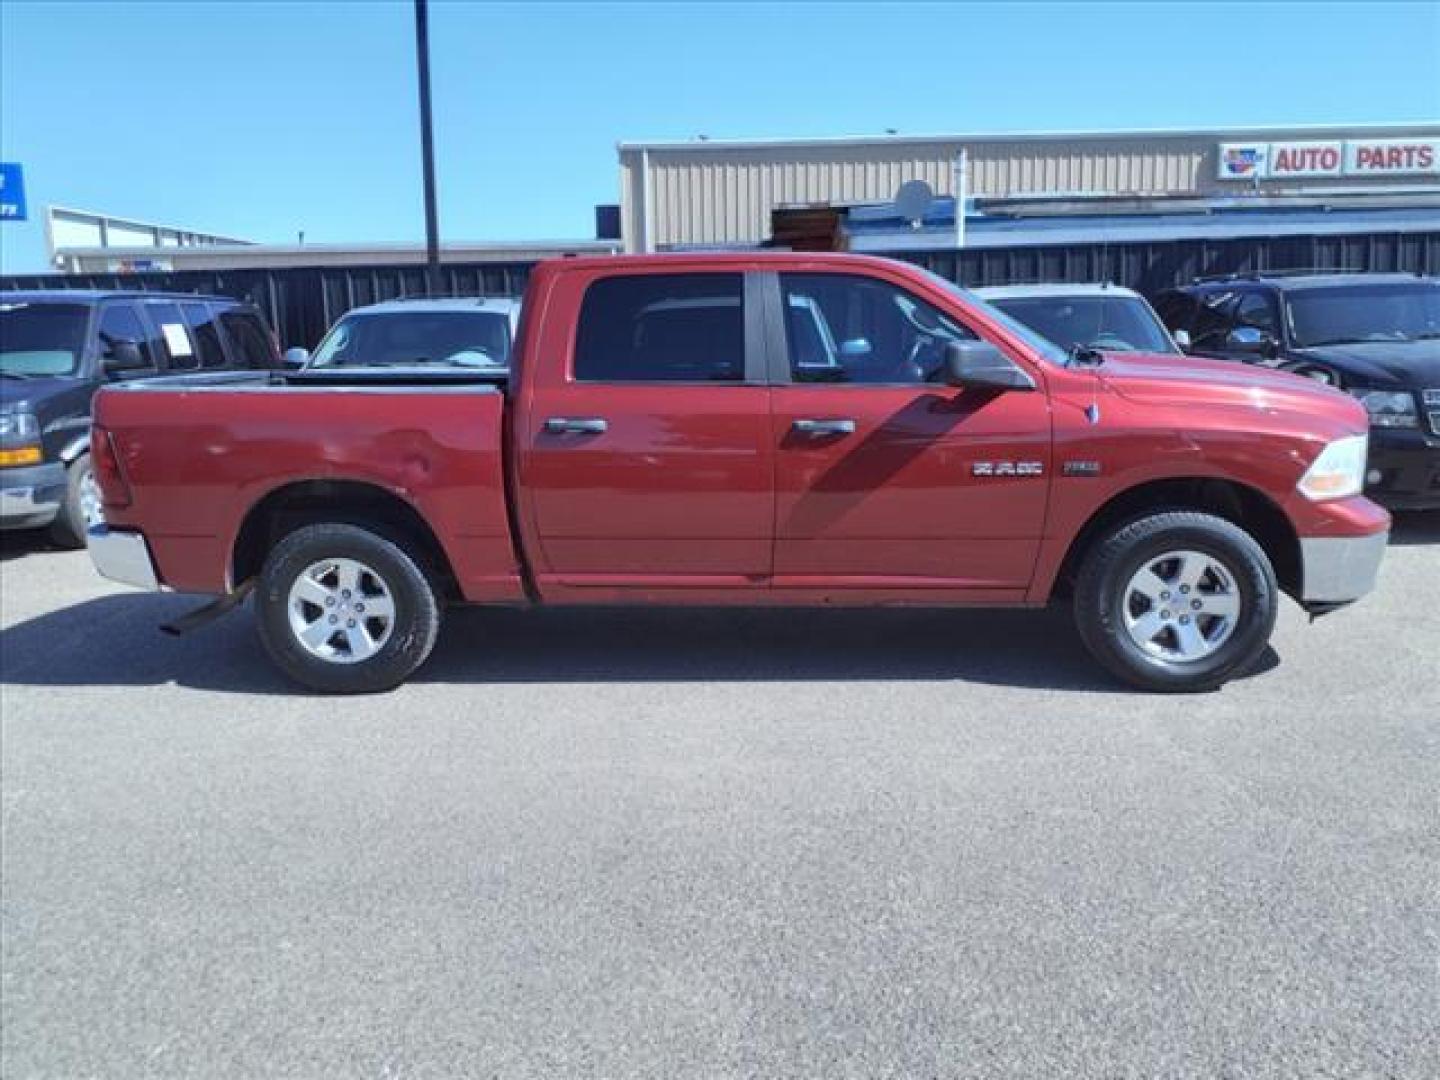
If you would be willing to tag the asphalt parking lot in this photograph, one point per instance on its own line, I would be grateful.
(717, 843)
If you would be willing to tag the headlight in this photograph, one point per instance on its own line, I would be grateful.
(19, 439)
(1389, 408)
(1338, 472)
(18, 427)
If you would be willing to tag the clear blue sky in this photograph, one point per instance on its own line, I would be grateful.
(259, 119)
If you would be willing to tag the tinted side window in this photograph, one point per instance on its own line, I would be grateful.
(1213, 319)
(250, 342)
(120, 322)
(1255, 309)
(172, 339)
(844, 328)
(662, 328)
(1176, 310)
(206, 334)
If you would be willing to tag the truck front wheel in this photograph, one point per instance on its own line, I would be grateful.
(1177, 601)
(344, 610)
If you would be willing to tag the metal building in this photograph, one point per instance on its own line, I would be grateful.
(695, 193)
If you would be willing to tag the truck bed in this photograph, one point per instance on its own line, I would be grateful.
(430, 438)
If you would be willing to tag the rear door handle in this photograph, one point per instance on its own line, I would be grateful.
(820, 428)
(575, 425)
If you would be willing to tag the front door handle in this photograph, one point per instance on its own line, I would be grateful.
(820, 428)
(575, 425)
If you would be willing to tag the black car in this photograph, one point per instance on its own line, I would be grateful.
(57, 348)
(1376, 336)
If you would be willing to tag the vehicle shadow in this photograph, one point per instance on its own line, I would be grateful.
(17, 543)
(114, 641)
(1415, 527)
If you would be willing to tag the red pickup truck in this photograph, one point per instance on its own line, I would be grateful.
(746, 429)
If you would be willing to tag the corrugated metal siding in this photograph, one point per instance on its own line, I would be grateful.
(719, 194)
(301, 303)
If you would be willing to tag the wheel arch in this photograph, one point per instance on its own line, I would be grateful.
(1245, 506)
(352, 502)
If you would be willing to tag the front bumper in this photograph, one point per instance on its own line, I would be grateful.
(30, 496)
(1408, 464)
(122, 555)
(1339, 569)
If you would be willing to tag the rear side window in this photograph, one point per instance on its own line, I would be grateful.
(662, 328)
(172, 338)
(201, 318)
(250, 342)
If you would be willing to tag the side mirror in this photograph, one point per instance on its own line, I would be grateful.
(1248, 339)
(296, 357)
(1182, 338)
(122, 356)
(981, 365)
(855, 347)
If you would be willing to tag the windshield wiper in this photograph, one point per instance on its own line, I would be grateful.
(15, 375)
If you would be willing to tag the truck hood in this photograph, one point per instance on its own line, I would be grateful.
(18, 393)
(1189, 380)
(1381, 365)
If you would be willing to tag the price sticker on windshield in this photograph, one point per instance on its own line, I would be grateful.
(176, 339)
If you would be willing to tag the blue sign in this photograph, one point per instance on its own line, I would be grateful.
(12, 193)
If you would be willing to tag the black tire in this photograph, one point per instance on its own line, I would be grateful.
(1111, 562)
(69, 527)
(416, 609)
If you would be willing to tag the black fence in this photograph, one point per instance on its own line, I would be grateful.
(302, 302)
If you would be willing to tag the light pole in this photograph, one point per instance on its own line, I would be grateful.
(427, 148)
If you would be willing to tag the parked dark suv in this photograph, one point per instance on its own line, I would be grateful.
(57, 348)
(1376, 336)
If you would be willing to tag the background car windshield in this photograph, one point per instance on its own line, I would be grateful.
(459, 338)
(42, 339)
(1354, 313)
(1119, 323)
(1038, 342)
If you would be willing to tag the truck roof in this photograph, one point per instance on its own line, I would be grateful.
(504, 305)
(1056, 290)
(722, 258)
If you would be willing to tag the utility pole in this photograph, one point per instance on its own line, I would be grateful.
(427, 148)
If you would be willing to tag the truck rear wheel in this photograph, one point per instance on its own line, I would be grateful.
(344, 610)
(1178, 601)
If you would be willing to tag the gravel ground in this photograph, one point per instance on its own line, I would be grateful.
(824, 844)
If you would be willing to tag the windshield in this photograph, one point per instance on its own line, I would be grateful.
(1347, 314)
(478, 339)
(1115, 323)
(1041, 345)
(41, 338)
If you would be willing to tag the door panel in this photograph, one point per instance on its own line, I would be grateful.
(899, 498)
(881, 468)
(646, 459)
(679, 482)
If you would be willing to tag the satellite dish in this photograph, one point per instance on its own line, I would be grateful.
(912, 200)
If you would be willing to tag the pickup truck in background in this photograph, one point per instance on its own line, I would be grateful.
(1103, 317)
(746, 429)
(414, 331)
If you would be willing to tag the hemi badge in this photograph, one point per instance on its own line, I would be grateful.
(1082, 468)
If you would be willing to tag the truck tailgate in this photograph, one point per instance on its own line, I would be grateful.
(198, 458)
